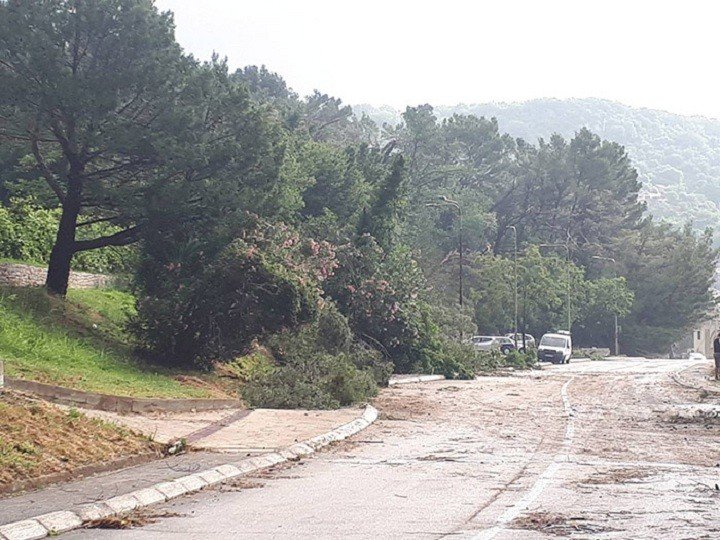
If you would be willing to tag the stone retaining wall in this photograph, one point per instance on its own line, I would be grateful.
(25, 275)
(120, 404)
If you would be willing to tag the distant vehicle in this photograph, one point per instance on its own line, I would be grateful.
(555, 348)
(518, 340)
(493, 343)
(696, 356)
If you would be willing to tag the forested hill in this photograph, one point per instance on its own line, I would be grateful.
(678, 157)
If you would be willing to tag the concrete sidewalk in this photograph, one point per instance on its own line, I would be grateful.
(235, 431)
(255, 433)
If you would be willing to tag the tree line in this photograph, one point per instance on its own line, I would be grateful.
(259, 216)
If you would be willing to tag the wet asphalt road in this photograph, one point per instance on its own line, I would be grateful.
(583, 450)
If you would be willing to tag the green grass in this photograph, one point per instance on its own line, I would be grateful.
(80, 343)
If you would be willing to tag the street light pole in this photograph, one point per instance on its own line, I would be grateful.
(615, 315)
(456, 205)
(460, 241)
(515, 264)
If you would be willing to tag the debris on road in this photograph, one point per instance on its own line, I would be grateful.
(139, 518)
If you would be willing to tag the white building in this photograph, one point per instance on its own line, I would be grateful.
(704, 335)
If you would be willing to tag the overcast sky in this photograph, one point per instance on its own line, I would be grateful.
(658, 54)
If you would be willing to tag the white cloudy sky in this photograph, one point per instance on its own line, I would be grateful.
(659, 54)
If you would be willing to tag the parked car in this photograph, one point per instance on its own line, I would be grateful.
(555, 348)
(493, 343)
(696, 356)
(518, 340)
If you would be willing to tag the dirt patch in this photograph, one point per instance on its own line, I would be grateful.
(556, 524)
(405, 404)
(38, 439)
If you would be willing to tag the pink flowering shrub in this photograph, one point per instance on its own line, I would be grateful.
(381, 295)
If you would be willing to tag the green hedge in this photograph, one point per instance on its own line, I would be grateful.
(27, 234)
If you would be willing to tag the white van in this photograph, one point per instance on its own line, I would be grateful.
(555, 348)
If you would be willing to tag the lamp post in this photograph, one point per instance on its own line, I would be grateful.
(515, 272)
(445, 201)
(615, 315)
(567, 275)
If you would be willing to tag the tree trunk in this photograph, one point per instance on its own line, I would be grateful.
(62, 252)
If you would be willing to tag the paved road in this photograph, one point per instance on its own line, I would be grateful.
(582, 450)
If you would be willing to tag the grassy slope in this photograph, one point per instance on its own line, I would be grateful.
(81, 343)
(38, 439)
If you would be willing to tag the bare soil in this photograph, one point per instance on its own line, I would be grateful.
(39, 439)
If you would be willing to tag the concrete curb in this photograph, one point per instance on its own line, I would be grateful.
(119, 404)
(416, 379)
(59, 522)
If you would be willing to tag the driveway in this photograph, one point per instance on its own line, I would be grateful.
(583, 449)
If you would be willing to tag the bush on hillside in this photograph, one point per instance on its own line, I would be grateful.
(199, 304)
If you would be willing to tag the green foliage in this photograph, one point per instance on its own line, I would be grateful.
(139, 120)
(27, 234)
(380, 294)
(520, 360)
(334, 334)
(381, 221)
(314, 372)
(456, 360)
(675, 155)
(251, 367)
(320, 381)
(260, 284)
(671, 273)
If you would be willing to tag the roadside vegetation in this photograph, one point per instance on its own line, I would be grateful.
(297, 249)
(38, 440)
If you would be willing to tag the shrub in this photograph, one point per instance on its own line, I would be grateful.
(334, 334)
(493, 360)
(313, 373)
(263, 283)
(457, 360)
(380, 294)
(489, 361)
(320, 381)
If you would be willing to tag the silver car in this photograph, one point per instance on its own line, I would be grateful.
(493, 343)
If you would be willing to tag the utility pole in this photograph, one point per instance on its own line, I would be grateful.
(615, 315)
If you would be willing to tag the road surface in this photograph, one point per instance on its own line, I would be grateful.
(583, 450)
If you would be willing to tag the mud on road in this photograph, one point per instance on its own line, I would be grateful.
(583, 450)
